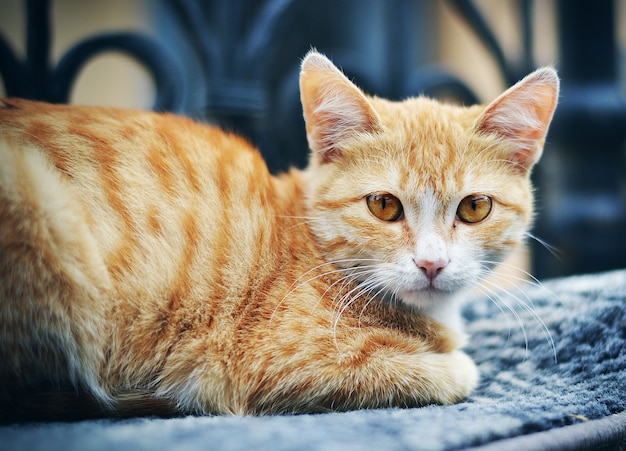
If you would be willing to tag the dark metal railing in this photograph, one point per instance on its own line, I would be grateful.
(583, 179)
(248, 53)
(35, 77)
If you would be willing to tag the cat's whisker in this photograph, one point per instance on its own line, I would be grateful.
(471, 164)
(346, 280)
(350, 297)
(493, 296)
(301, 281)
(553, 250)
(358, 285)
(530, 308)
(527, 278)
(496, 296)
(506, 278)
(336, 263)
(499, 299)
(379, 295)
(381, 285)
(524, 301)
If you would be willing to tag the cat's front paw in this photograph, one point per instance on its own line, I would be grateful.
(461, 377)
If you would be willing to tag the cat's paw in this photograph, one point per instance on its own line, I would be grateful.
(461, 377)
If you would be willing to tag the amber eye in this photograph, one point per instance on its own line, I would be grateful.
(474, 208)
(385, 206)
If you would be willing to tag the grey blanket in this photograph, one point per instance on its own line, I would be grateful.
(553, 377)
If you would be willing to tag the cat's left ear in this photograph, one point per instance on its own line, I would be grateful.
(522, 115)
(335, 109)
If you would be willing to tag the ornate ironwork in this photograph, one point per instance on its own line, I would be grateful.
(249, 53)
(36, 78)
(583, 180)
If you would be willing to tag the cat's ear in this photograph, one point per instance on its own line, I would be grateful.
(334, 108)
(522, 116)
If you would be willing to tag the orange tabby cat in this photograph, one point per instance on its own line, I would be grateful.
(150, 264)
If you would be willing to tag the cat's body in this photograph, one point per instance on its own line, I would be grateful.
(146, 260)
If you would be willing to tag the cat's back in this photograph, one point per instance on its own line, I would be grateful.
(76, 138)
(156, 190)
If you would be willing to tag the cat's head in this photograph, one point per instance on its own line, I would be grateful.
(421, 198)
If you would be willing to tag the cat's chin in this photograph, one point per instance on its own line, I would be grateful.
(441, 305)
(426, 297)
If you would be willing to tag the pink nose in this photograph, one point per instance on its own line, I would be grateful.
(431, 268)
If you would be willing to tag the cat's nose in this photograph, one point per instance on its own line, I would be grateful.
(432, 268)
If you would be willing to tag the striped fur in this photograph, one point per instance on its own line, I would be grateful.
(152, 265)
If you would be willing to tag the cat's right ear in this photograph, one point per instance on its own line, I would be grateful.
(334, 108)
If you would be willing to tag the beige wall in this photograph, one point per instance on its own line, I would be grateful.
(461, 51)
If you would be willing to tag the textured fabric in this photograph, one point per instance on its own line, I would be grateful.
(607, 433)
(561, 362)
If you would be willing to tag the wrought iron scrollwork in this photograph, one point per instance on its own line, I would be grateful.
(249, 53)
(36, 78)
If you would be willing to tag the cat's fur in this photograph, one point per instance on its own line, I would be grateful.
(152, 264)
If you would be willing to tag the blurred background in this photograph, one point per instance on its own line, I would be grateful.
(235, 63)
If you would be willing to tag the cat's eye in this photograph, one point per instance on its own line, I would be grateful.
(474, 208)
(385, 207)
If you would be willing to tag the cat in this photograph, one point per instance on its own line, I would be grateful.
(150, 264)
